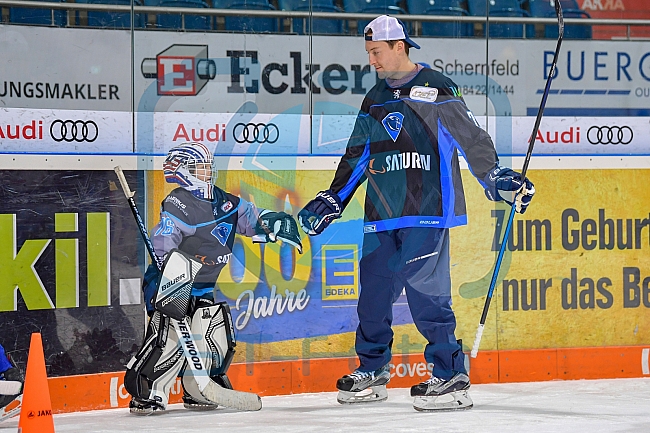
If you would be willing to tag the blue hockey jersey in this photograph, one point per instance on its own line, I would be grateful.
(405, 143)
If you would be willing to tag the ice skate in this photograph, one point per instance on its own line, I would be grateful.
(141, 407)
(363, 386)
(11, 389)
(192, 404)
(438, 394)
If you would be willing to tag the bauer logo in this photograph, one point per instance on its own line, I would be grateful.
(340, 272)
(180, 70)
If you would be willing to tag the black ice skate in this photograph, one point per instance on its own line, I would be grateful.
(191, 403)
(439, 394)
(11, 389)
(363, 386)
(143, 407)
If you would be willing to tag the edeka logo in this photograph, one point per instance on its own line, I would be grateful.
(181, 70)
(18, 267)
(340, 272)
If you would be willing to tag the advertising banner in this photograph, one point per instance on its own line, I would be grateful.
(248, 73)
(65, 131)
(70, 269)
(574, 263)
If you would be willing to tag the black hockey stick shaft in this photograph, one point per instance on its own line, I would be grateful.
(529, 152)
(138, 219)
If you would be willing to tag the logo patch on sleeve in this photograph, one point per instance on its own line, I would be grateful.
(393, 124)
(221, 232)
(426, 94)
(226, 206)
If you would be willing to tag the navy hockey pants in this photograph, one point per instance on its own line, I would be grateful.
(416, 259)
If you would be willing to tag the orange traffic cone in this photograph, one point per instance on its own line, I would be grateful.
(36, 411)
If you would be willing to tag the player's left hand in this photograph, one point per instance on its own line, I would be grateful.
(508, 185)
(272, 226)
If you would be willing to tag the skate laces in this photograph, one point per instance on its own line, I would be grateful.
(433, 380)
(358, 375)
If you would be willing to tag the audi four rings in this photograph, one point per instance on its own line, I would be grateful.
(256, 133)
(74, 130)
(610, 135)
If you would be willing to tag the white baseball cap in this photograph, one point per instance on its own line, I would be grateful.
(387, 28)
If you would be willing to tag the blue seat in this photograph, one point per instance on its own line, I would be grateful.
(186, 22)
(570, 9)
(320, 26)
(43, 17)
(113, 20)
(244, 23)
(379, 7)
(500, 8)
(441, 7)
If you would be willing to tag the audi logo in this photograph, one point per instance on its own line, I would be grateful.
(610, 135)
(74, 130)
(256, 133)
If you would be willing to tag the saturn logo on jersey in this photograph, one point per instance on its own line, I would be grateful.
(221, 232)
(401, 161)
(393, 124)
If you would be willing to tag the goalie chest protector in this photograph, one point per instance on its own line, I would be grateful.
(214, 223)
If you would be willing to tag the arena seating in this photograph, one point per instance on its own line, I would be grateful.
(111, 20)
(320, 26)
(378, 7)
(248, 24)
(500, 8)
(187, 22)
(570, 9)
(441, 7)
(42, 17)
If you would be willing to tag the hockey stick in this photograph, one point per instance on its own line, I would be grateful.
(531, 144)
(12, 408)
(208, 388)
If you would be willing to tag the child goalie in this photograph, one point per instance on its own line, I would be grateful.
(201, 221)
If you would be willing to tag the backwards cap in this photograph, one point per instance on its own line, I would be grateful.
(387, 28)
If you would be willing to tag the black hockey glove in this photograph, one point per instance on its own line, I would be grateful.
(272, 226)
(320, 212)
(503, 183)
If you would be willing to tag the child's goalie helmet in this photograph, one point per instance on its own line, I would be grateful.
(191, 165)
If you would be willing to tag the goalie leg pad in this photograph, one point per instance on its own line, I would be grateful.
(212, 329)
(152, 371)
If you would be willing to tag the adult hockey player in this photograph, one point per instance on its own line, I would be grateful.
(11, 384)
(405, 143)
(201, 220)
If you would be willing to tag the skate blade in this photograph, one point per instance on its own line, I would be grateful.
(374, 394)
(459, 400)
(12, 409)
(200, 407)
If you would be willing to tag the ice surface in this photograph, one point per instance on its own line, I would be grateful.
(617, 405)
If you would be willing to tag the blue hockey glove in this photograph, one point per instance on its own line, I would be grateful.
(320, 212)
(272, 226)
(503, 183)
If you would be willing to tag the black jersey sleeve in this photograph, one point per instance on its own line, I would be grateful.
(475, 143)
(350, 173)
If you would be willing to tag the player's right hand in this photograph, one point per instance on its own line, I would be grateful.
(320, 212)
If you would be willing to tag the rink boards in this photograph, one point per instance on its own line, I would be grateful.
(572, 301)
